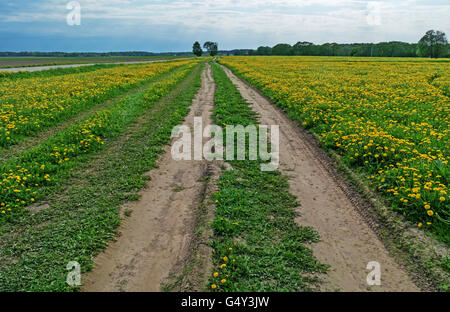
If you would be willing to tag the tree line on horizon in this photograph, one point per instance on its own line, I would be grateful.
(90, 54)
(432, 44)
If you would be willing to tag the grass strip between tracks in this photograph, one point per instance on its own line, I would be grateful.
(257, 245)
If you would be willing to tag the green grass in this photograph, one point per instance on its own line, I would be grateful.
(84, 214)
(254, 230)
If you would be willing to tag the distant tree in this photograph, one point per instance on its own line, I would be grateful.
(433, 44)
(197, 49)
(441, 44)
(242, 52)
(211, 47)
(303, 48)
(264, 51)
(282, 49)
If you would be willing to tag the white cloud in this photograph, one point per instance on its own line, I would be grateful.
(252, 21)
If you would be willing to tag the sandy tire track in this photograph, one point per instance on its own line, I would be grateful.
(156, 240)
(348, 242)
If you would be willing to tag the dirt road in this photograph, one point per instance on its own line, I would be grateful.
(348, 243)
(155, 241)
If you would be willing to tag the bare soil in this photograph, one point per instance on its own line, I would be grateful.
(156, 239)
(348, 241)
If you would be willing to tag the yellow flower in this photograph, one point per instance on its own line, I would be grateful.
(442, 198)
(427, 206)
(420, 224)
(430, 212)
(225, 258)
(223, 281)
(216, 274)
(213, 286)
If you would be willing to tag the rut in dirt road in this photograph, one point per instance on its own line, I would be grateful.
(348, 244)
(156, 239)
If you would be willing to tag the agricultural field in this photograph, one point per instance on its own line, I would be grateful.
(387, 119)
(27, 111)
(12, 62)
(45, 163)
(88, 176)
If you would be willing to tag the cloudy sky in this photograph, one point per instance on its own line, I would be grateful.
(173, 25)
